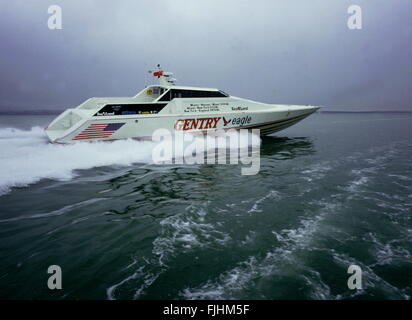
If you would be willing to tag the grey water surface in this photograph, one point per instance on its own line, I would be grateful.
(332, 191)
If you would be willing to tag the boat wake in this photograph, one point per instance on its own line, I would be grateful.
(27, 157)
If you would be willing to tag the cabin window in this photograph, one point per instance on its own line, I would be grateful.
(165, 97)
(180, 93)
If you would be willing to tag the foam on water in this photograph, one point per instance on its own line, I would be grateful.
(386, 252)
(228, 284)
(185, 231)
(369, 279)
(179, 233)
(281, 260)
(27, 156)
(316, 171)
(273, 195)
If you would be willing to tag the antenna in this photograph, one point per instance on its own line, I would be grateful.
(165, 78)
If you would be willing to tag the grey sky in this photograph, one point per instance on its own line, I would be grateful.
(283, 51)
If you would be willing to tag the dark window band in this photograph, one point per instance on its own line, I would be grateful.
(127, 109)
(180, 93)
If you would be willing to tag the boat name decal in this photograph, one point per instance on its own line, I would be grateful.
(197, 123)
(105, 113)
(237, 121)
(239, 108)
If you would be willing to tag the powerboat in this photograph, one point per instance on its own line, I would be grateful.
(181, 108)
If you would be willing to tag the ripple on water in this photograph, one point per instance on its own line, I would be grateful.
(281, 261)
(57, 212)
(180, 233)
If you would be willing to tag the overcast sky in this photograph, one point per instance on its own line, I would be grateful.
(277, 51)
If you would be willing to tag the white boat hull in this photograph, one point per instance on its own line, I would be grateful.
(143, 126)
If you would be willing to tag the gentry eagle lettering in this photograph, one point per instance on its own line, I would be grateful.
(198, 123)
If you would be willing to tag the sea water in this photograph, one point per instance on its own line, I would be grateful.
(334, 190)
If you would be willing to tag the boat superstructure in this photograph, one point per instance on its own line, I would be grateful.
(192, 109)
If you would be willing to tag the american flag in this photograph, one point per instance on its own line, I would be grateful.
(99, 130)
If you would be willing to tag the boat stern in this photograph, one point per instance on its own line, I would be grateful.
(64, 124)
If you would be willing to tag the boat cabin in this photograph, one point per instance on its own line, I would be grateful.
(167, 94)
